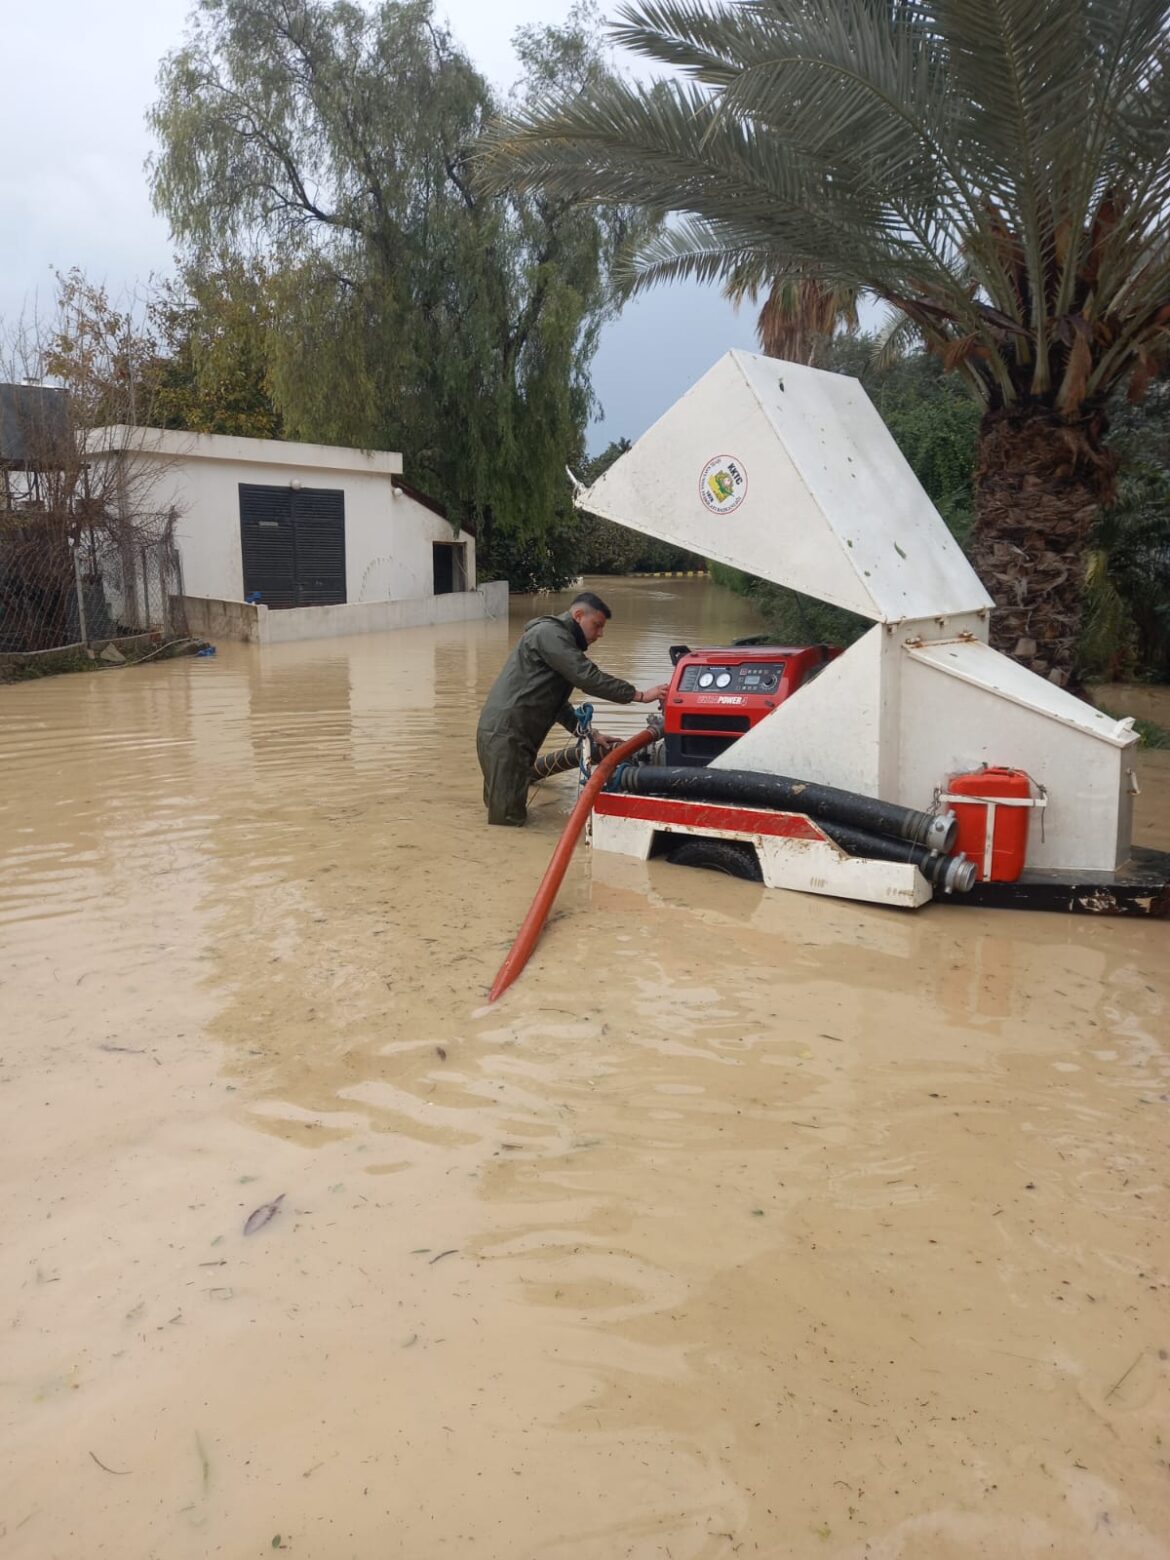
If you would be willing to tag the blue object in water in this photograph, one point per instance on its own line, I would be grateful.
(207, 650)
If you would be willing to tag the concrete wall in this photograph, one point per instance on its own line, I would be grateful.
(378, 617)
(208, 618)
(258, 624)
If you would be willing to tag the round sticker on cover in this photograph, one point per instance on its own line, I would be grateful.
(723, 485)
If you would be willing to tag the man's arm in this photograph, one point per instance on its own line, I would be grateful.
(576, 667)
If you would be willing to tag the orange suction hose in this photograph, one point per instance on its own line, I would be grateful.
(534, 921)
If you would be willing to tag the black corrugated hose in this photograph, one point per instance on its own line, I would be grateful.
(934, 831)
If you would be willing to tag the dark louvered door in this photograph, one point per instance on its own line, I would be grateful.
(319, 530)
(293, 544)
(266, 537)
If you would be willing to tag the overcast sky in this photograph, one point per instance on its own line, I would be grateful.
(79, 77)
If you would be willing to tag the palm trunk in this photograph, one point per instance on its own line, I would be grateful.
(1040, 484)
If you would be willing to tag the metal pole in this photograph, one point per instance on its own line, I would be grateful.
(164, 600)
(80, 594)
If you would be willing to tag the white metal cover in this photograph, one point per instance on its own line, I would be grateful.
(806, 866)
(979, 665)
(789, 473)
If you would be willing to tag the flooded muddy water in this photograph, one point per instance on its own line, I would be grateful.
(746, 1224)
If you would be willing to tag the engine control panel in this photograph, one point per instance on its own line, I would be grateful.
(760, 677)
(717, 695)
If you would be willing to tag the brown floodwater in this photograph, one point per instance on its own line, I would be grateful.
(746, 1224)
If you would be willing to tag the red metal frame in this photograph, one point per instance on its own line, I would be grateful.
(707, 816)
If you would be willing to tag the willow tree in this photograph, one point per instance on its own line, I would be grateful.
(408, 310)
(995, 170)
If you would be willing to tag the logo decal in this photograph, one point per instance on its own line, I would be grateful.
(723, 485)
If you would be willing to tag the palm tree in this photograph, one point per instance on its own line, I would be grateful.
(996, 171)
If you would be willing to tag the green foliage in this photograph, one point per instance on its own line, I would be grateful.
(214, 331)
(1127, 618)
(792, 617)
(402, 309)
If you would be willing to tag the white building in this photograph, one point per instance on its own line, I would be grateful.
(280, 540)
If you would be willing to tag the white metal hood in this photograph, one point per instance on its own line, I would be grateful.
(789, 473)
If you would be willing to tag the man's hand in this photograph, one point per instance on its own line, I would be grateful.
(652, 695)
(605, 743)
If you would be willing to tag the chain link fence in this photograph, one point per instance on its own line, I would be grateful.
(65, 585)
(87, 552)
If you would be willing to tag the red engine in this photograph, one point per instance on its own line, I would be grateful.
(717, 695)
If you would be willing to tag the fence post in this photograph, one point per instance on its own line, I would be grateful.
(75, 550)
(164, 598)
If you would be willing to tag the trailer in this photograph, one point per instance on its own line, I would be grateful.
(789, 473)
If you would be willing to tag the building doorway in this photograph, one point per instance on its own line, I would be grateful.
(450, 567)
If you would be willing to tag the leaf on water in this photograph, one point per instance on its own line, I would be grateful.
(204, 1463)
(261, 1216)
(441, 1053)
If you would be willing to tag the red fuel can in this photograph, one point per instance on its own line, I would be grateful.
(994, 808)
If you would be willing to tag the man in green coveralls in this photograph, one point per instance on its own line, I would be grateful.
(532, 692)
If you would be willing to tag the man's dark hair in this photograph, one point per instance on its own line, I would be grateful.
(594, 603)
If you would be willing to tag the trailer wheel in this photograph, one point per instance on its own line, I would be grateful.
(732, 857)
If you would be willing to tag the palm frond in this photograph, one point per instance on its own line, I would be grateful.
(894, 337)
(996, 170)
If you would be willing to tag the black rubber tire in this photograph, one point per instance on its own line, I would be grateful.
(732, 857)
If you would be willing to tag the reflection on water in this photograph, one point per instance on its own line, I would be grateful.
(746, 1223)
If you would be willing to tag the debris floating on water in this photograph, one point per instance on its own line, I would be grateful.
(261, 1216)
(118, 1472)
(204, 1463)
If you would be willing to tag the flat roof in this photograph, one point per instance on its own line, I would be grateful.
(177, 445)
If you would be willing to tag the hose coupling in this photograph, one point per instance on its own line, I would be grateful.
(942, 832)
